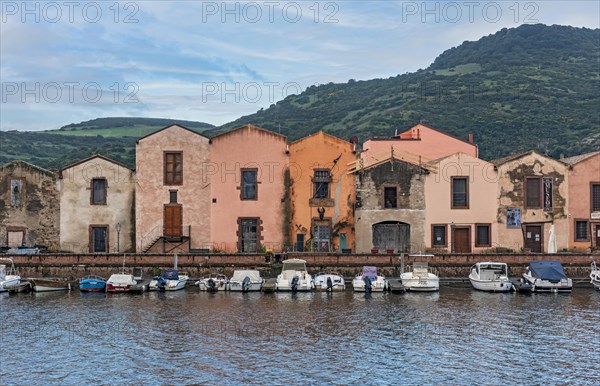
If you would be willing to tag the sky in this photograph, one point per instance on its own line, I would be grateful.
(64, 62)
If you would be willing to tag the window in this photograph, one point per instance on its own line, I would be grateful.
(581, 230)
(172, 197)
(533, 195)
(249, 234)
(98, 191)
(16, 192)
(595, 195)
(321, 182)
(390, 197)
(460, 193)
(438, 236)
(173, 168)
(249, 184)
(483, 235)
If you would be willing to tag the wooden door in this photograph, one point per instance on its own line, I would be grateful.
(596, 236)
(173, 221)
(533, 238)
(99, 239)
(461, 240)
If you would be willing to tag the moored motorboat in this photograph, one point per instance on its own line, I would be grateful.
(124, 282)
(246, 280)
(547, 276)
(329, 282)
(369, 281)
(92, 283)
(294, 276)
(24, 286)
(170, 280)
(50, 284)
(420, 279)
(10, 278)
(213, 282)
(490, 276)
(595, 276)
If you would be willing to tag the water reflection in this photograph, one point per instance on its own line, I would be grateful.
(333, 338)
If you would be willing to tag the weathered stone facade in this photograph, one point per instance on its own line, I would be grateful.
(400, 224)
(29, 206)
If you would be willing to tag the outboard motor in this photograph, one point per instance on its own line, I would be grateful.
(329, 284)
(246, 284)
(160, 283)
(212, 285)
(294, 283)
(367, 284)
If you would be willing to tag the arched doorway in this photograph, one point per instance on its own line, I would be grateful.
(388, 235)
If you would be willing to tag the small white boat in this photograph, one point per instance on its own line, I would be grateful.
(490, 276)
(213, 282)
(246, 280)
(170, 280)
(369, 281)
(10, 278)
(595, 276)
(329, 282)
(123, 282)
(547, 276)
(50, 284)
(294, 277)
(420, 278)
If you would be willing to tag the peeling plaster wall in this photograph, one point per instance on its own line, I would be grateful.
(511, 194)
(77, 213)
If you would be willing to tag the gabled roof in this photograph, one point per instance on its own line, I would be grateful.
(91, 158)
(512, 157)
(28, 165)
(167, 127)
(579, 158)
(357, 166)
(246, 127)
(405, 135)
(324, 134)
(440, 159)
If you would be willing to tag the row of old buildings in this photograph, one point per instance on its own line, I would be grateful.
(249, 190)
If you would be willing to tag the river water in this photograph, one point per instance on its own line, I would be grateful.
(457, 336)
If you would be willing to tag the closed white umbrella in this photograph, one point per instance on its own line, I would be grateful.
(552, 240)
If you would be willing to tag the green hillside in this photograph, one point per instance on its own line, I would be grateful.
(112, 137)
(531, 87)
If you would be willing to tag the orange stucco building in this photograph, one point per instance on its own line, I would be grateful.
(420, 141)
(584, 202)
(247, 169)
(321, 194)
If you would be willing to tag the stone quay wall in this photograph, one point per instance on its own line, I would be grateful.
(75, 266)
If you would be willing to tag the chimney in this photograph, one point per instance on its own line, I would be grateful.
(470, 138)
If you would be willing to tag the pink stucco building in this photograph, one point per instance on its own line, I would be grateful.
(172, 196)
(420, 141)
(248, 194)
(461, 201)
(584, 202)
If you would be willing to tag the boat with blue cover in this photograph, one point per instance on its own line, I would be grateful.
(547, 276)
(170, 280)
(92, 283)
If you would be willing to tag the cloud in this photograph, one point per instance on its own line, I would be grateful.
(173, 51)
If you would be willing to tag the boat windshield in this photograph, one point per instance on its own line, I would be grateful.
(294, 265)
